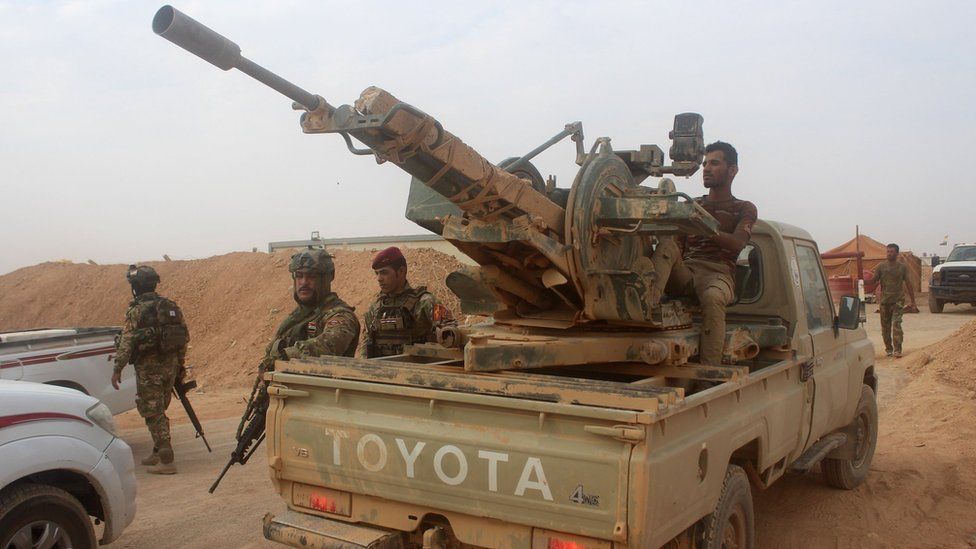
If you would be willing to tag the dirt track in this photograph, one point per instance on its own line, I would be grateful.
(920, 492)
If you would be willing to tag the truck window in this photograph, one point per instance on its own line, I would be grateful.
(815, 297)
(748, 274)
(963, 253)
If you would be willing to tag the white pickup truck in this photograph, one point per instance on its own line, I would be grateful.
(77, 358)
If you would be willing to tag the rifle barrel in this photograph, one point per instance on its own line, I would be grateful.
(221, 476)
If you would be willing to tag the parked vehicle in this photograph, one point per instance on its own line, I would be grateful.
(954, 280)
(61, 464)
(628, 454)
(77, 358)
(579, 416)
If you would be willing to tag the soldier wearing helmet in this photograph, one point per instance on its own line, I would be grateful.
(321, 324)
(401, 315)
(153, 339)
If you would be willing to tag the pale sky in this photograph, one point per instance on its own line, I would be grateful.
(117, 146)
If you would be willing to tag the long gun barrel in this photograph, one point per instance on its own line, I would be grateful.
(198, 39)
(545, 255)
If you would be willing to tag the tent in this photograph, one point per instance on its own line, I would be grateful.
(874, 254)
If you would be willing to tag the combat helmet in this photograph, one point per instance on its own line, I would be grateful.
(143, 278)
(314, 260)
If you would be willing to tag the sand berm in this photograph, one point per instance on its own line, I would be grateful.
(232, 303)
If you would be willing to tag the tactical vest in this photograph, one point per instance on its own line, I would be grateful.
(160, 328)
(304, 324)
(394, 326)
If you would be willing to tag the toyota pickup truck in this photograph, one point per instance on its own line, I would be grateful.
(414, 451)
(579, 417)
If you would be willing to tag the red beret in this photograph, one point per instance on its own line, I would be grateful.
(387, 257)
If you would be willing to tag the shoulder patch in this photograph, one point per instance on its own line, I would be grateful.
(311, 329)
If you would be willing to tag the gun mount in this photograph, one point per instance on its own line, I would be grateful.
(547, 257)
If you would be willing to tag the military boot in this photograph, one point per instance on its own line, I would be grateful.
(165, 465)
(151, 459)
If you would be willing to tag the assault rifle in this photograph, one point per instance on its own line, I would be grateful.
(250, 432)
(180, 389)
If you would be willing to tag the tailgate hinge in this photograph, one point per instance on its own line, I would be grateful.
(625, 433)
(281, 391)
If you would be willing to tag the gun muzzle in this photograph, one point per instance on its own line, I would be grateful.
(196, 38)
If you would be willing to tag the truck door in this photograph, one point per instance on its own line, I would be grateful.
(830, 376)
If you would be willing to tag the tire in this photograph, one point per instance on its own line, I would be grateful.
(935, 305)
(731, 525)
(29, 512)
(847, 474)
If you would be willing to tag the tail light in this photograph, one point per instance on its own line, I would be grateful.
(322, 499)
(545, 539)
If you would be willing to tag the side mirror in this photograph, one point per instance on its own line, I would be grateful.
(850, 313)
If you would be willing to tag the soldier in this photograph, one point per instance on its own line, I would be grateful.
(401, 315)
(707, 267)
(154, 340)
(893, 277)
(321, 324)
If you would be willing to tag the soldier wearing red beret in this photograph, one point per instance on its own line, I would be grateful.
(401, 315)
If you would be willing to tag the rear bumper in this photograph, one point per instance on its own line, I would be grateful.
(953, 293)
(308, 531)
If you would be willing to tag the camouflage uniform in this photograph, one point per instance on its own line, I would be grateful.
(330, 328)
(393, 321)
(892, 277)
(156, 370)
(327, 327)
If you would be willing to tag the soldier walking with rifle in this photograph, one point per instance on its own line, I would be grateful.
(321, 324)
(153, 339)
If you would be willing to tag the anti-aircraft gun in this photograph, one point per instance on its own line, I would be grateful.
(555, 266)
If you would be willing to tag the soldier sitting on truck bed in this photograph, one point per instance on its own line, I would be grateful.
(401, 315)
(707, 267)
(321, 324)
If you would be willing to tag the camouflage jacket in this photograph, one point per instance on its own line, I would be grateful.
(331, 328)
(892, 277)
(140, 340)
(392, 321)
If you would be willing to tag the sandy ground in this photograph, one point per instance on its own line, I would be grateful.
(920, 492)
(177, 511)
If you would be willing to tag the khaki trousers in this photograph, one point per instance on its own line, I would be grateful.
(710, 281)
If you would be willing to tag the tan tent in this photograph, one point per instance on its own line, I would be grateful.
(874, 254)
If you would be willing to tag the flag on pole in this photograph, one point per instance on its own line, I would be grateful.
(945, 241)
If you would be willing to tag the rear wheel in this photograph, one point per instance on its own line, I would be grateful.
(36, 515)
(849, 473)
(935, 305)
(731, 526)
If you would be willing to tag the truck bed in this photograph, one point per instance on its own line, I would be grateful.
(437, 440)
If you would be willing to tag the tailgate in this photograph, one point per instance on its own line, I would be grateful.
(525, 460)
